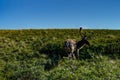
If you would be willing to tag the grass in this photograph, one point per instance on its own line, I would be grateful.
(39, 55)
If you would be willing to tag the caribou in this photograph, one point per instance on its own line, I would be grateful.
(72, 45)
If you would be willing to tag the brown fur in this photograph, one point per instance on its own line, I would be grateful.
(72, 45)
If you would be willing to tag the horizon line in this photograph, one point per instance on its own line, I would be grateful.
(57, 28)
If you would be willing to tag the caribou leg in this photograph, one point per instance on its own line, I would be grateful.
(78, 53)
(70, 55)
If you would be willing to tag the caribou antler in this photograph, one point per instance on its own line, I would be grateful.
(80, 31)
(82, 35)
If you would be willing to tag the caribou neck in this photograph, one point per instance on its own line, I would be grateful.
(80, 44)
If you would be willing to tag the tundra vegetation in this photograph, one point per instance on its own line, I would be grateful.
(40, 55)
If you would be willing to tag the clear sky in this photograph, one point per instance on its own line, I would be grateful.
(37, 14)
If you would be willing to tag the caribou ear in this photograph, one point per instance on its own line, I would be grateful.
(88, 43)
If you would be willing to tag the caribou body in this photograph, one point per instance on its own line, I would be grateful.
(72, 45)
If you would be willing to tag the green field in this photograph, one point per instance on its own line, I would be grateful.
(40, 55)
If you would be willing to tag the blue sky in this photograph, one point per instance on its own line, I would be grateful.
(37, 14)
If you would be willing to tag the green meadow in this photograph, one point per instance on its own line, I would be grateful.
(38, 54)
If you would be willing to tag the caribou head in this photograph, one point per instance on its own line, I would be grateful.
(72, 45)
